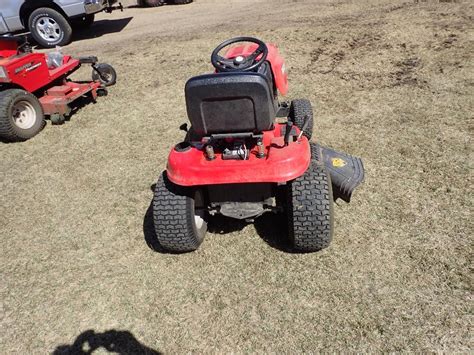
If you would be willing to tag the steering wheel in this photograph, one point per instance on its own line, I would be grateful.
(239, 63)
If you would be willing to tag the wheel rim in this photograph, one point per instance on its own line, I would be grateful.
(48, 29)
(199, 221)
(24, 114)
(199, 211)
(106, 76)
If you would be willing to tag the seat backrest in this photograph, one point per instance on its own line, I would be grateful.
(225, 103)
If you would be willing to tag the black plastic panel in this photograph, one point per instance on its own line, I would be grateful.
(230, 102)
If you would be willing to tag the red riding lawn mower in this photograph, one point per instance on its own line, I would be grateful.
(35, 85)
(246, 154)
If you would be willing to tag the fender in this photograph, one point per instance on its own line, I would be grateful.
(277, 63)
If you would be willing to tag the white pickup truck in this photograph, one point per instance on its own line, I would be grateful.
(50, 21)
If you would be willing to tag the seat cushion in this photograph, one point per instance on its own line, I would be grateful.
(230, 103)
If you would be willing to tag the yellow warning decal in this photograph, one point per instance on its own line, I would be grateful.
(338, 162)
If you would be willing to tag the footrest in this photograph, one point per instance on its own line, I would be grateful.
(88, 60)
(59, 90)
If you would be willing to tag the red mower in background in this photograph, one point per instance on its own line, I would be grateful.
(246, 154)
(36, 85)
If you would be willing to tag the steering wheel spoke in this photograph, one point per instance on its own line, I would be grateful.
(225, 63)
(225, 60)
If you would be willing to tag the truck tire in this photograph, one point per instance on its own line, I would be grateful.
(310, 209)
(299, 109)
(49, 28)
(83, 22)
(153, 3)
(21, 115)
(178, 216)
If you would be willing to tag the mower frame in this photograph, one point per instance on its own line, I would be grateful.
(246, 154)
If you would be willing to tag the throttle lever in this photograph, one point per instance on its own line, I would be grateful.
(289, 127)
(305, 125)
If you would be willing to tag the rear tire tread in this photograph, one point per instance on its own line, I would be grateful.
(173, 217)
(310, 210)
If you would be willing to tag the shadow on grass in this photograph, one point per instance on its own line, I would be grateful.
(272, 228)
(113, 341)
(82, 101)
(100, 28)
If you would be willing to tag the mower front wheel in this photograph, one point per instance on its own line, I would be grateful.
(105, 74)
(21, 115)
(179, 216)
(310, 209)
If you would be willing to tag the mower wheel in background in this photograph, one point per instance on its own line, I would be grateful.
(105, 73)
(49, 28)
(299, 109)
(179, 216)
(316, 154)
(310, 209)
(152, 3)
(21, 115)
(83, 22)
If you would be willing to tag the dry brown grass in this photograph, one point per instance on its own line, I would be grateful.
(391, 81)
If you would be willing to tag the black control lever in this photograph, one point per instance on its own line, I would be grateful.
(184, 127)
(289, 127)
(25, 47)
(305, 125)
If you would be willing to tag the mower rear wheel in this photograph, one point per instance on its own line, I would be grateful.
(21, 115)
(49, 28)
(182, 2)
(310, 209)
(299, 110)
(105, 74)
(179, 216)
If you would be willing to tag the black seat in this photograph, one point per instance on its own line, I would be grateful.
(226, 103)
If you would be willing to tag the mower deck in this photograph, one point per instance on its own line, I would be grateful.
(57, 99)
(190, 167)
